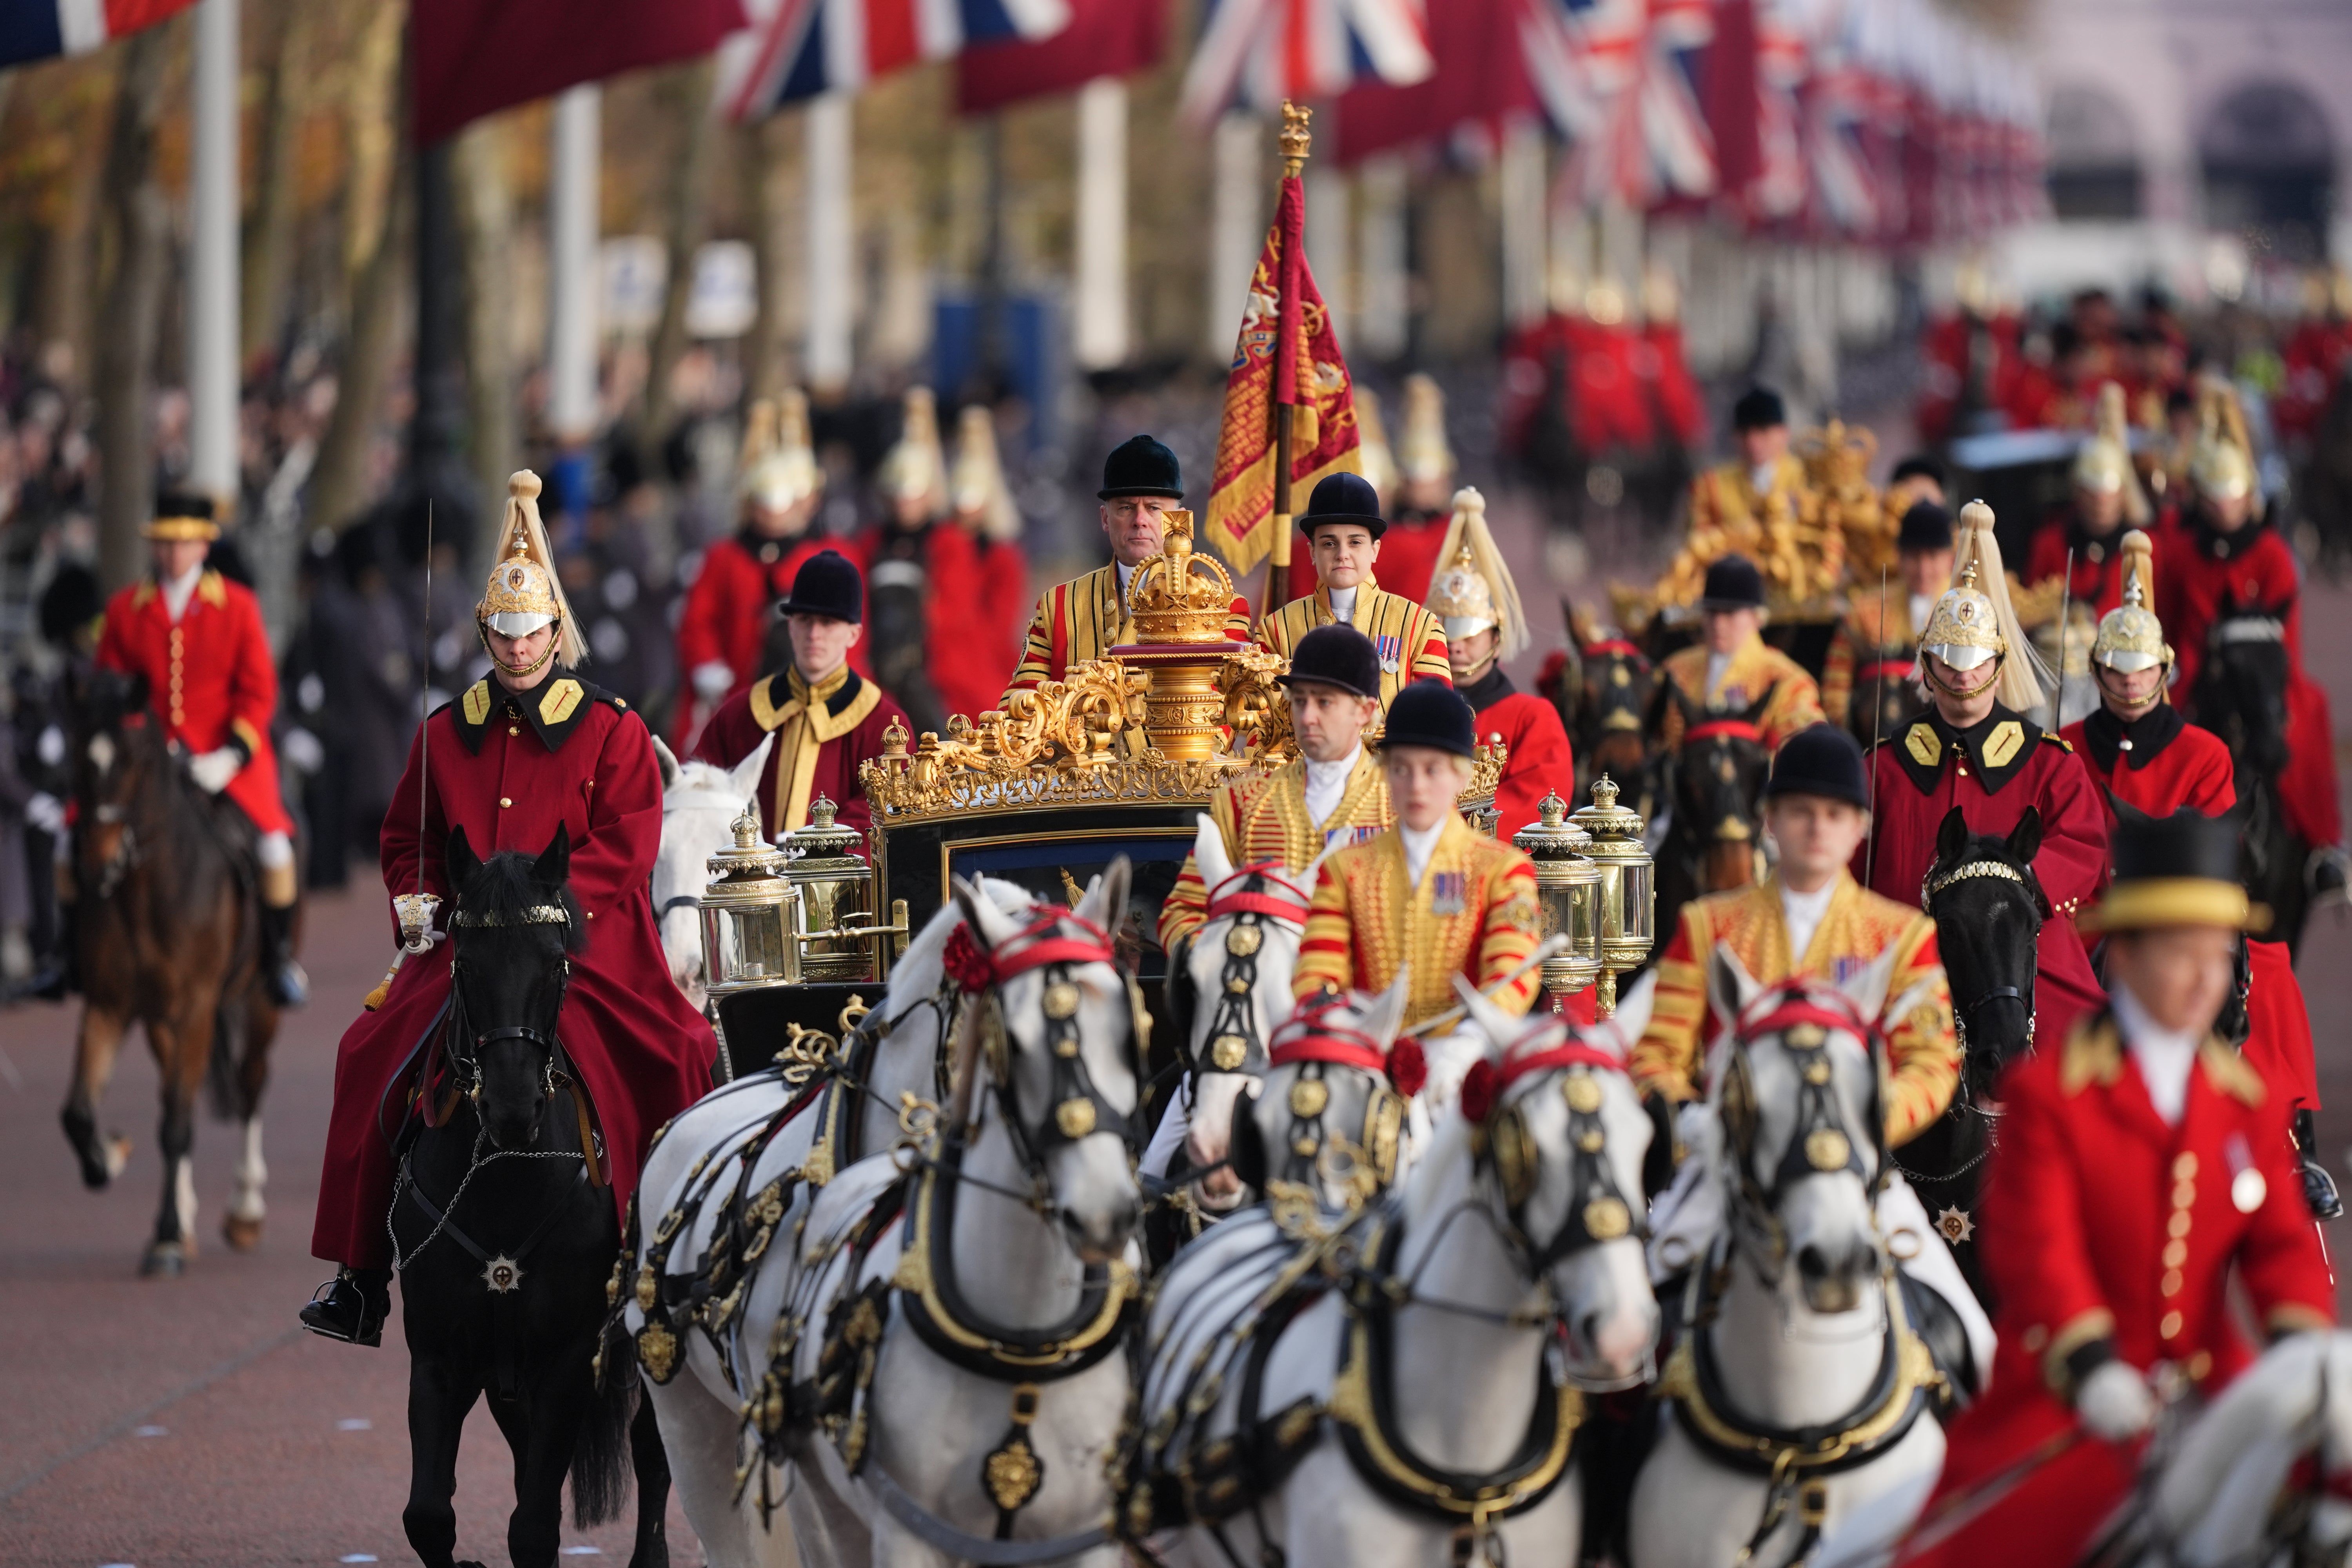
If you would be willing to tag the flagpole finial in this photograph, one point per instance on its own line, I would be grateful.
(1298, 137)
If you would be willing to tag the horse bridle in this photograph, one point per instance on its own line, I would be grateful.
(1313, 1039)
(1597, 1210)
(1932, 884)
(1803, 1019)
(1232, 1038)
(1080, 1109)
(465, 1049)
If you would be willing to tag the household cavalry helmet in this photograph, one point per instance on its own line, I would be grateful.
(1964, 629)
(1423, 454)
(1975, 622)
(2130, 636)
(522, 594)
(2222, 465)
(2103, 464)
(1472, 591)
(916, 468)
(779, 465)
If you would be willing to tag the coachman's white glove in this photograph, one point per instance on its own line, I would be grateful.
(2116, 1402)
(212, 770)
(713, 680)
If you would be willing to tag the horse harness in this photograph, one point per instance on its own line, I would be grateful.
(1934, 883)
(1241, 899)
(1315, 1042)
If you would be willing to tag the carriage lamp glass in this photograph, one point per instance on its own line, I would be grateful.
(1628, 888)
(834, 929)
(1567, 892)
(748, 911)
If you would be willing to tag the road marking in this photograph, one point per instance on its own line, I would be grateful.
(355, 1424)
(152, 1432)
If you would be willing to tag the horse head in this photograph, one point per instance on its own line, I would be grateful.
(1332, 1111)
(1234, 986)
(119, 752)
(2242, 685)
(1557, 1136)
(1988, 909)
(1060, 1044)
(1619, 686)
(513, 932)
(699, 805)
(1803, 1152)
(1719, 771)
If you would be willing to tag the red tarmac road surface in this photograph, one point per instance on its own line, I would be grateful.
(188, 1421)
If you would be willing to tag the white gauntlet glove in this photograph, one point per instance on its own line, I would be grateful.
(46, 812)
(2115, 1403)
(212, 770)
(713, 680)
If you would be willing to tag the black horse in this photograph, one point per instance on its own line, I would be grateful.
(506, 1234)
(2241, 696)
(1714, 838)
(1988, 909)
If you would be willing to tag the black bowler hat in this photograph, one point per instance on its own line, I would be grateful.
(2176, 870)
(1140, 466)
(1431, 713)
(1733, 584)
(1926, 526)
(827, 584)
(1336, 655)
(1758, 408)
(1821, 760)
(1343, 497)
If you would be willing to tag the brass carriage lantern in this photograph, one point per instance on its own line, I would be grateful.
(1628, 888)
(833, 922)
(749, 913)
(1568, 889)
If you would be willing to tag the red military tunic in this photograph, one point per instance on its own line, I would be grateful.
(572, 755)
(2101, 1221)
(2099, 580)
(974, 589)
(1992, 774)
(729, 611)
(2278, 1032)
(851, 731)
(210, 678)
(1540, 761)
(2156, 764)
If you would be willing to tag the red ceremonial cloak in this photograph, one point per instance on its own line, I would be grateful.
(2156, 763)
(574, 754)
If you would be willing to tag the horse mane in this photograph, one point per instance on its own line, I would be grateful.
(505, 886)
(699, 778)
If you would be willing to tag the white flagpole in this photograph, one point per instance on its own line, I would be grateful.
(211, 258)
(1237, 225)
(572, 194)
(1101, 326)
(832, 241)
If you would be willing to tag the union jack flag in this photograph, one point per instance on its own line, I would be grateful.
(1619, 77)
(796, 50)
(1254, 53)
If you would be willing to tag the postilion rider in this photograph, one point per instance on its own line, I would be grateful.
(1975, 751)
(2139, 1165)
(1731, 673)
(1430, 892)
(198, 639)
(1343, 527)
(1084, 619)
(1732, 496)
(827, 719)
(1809, 919)
(525, 750)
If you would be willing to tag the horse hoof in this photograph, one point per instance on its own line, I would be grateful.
(242, 1235)
(165, 1260)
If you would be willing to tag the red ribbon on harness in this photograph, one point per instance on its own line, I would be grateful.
(1899, 667)
(1798, 1004)
(1618, 645)
(1293, 911)
(1735, 729)
(1315, 1040)
(1485, 1082)
(974, 967)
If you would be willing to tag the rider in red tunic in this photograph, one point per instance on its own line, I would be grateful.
(2106, 499)
(1976, 749)
(198, 639)
(1478, 605)
(2139, 1165)
(827, 718)
(523, 752)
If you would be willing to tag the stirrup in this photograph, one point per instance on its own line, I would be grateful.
(320, 1315)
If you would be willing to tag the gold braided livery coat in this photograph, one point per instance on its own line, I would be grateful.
(1923, 1057)
(1726, 495)
(1408, 638)
(1082, 619)
(1266, 819)
(1756, 669)
(1474, 914)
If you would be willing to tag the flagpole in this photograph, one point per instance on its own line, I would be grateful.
(1296, 140)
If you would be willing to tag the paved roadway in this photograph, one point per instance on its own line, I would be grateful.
(157, 1423)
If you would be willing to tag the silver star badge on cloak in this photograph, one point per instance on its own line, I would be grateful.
(1955, 1224)
(502, 1274)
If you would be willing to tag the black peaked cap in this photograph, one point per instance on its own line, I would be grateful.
(1336, 656)
(1823, 759)
(827, 584)
(1343, 497)
(1141, 466)
(1431, 713)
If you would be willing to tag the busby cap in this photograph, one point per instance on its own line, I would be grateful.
(2176, 870)
(1758, 408)
(1819, 759)
(1926, 526)
(1343, 497)
(827, 584)
(1336, 656)
(184, 516)
(1141, 466)
(1431, 713)
(1733, 582)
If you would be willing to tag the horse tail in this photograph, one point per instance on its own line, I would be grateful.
(601, 1460)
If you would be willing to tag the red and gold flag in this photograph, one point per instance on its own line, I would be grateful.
(1286, 356)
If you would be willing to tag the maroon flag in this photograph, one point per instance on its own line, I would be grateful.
(475, 57)
(1479, 78)
(1104, 38)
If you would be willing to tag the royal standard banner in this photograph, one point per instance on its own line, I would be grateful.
(1285, 308)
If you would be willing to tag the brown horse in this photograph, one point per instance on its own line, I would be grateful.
(168, 928)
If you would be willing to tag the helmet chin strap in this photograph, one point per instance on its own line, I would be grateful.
(1928, 665)
(554, 637)
(2116, 699)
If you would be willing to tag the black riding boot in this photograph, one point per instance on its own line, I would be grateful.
(2318, 1187)
(356, 1303)
(59, 976)
(288, 987)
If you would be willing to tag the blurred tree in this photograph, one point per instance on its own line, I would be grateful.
(288, 29)
(687, 97)
(138, 220)
(486, 231)
(767, 160)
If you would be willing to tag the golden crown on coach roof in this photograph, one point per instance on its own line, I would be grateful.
(1180, 595)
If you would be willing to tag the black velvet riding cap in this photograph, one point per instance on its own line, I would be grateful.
(1758, 408)
(827, 584)
(1732, 584)
(1343, 497)
(1431, 713)
(1141, 466)
(1926, 526)
(1336, 655)
(1821, 760)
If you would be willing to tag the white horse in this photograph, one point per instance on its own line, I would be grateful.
(777, 1131)
(1387, 1386)
(1799, 1324)
(699, 805)
(963, 1344)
